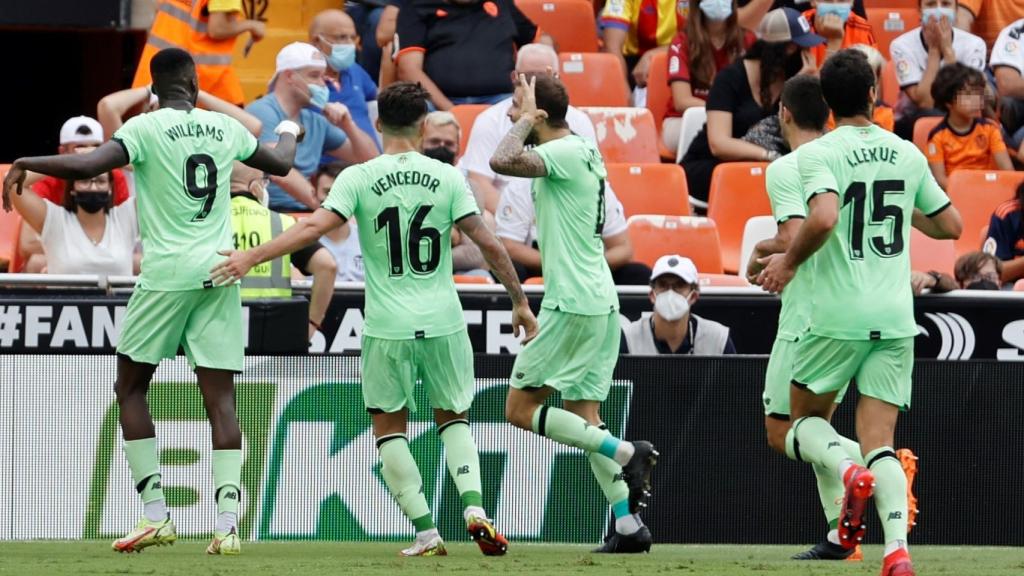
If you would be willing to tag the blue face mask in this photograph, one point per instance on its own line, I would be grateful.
(318, 95)
(936, 14)
(842, 10)
(716, 10)
(342, 56)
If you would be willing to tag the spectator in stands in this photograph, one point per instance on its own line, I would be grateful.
(493, 123)
(1007, 62)
(334, 33)
(988, 18)
(116, 108)
(744, 93)
(86, 233)
(342, 242)
(963, 140)
(367, 17)
(711, 41)
(298, 93)
(673, 329)
(517, 230)
(1006, 237)
(932, 281)
(461, 51)
(253, 224)
(206, 29)
(918, 55)
(841, 28)
(980, 271)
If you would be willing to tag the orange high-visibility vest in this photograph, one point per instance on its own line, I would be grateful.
(183, 24)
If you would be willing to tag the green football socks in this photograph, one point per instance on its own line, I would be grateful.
(227, 482)
(568, 428)
(403, 480)
(830, 486)
(144, 462)
(609, 477)
(813, 440)
(890, 493)
(463, 461)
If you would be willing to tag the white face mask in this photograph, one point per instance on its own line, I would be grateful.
(671, 305)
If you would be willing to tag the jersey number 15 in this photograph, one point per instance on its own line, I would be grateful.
(856, 195)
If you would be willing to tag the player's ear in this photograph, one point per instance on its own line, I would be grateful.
(376, 124)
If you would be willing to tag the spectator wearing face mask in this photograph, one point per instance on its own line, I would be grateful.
(1006, 237)
(841, 28)
(334, 33)
(979, 271)
(673, 329)
(298, 93)
(86, 233)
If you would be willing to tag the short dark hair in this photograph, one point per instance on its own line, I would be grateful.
(801, 95)
(171, 69)
(846, 81)
(951, 79)
(402, 105)
(553, 99)
(970, 264)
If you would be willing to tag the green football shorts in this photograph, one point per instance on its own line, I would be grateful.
(779, 378)
(391, 369)
(206, 323)
(573, 353)
(881, 368)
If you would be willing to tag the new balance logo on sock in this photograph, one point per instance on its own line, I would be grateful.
(231, 495)
(620, 477)
(895, 516)
(155, 485)
(462, 470)
(832, 445)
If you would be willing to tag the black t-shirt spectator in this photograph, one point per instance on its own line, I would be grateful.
(470, 48)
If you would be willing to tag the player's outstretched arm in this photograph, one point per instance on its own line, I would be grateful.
(944, 225)
(277, 159)
(821, 220)
(501, 265)
(301, 234)
(108, 156)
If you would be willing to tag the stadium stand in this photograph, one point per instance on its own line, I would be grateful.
(889, 22)
(737, 194)
(976, 193)
(922, 127)
(890, 84)
(594, 79)
(570, 22)
(650, 188)
(696, 238)
(471, 279)
(722, 281)
(927, 254)
(755, 230)
(694, 120)
(658, 97)
(466, 115)
(625, 134)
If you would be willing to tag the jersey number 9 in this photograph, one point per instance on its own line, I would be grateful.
(201, 182)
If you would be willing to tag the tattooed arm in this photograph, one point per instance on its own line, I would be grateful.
(510, 159)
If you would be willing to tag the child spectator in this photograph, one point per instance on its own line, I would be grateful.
(963, 140)
(978, 271)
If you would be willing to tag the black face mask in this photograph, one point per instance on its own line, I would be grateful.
(982, 285)
(440, 153)
(92, 202)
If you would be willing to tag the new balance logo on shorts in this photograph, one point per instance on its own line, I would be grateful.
(462, 470)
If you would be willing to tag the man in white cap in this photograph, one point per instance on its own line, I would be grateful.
(297, 92)
(673, 329)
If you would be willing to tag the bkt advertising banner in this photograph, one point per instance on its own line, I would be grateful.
(310, 468)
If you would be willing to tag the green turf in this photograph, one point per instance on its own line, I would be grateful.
(186, 558)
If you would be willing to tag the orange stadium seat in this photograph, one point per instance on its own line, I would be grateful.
(888, 23)
(535, 281)
(625, 134)
(922, 127)
(890, 84)
(653, 236)
(737, 194)
(594, 79)
(570, 22)
(471, 279)
(466, 115)
(722, 280)
(927, 254)
(650, 188)
(976, 194)
(658, 97)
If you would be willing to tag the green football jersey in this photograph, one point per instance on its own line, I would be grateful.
(787, 197)
(861, 284)
(182, 164)
(406, 205)
(569, 205)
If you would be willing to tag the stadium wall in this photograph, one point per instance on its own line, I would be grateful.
(310, 467)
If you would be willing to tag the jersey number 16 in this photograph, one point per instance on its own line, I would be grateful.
(389, 221)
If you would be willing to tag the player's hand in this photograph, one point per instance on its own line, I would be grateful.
(524, 323)
(776, 274)
(528, 106)
(337, 113)
(754, 268)
(830, 26)
(257, 30)
(15, 179)
(919, 282)
(236, 266)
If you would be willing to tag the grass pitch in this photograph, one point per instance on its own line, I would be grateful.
(187, 558)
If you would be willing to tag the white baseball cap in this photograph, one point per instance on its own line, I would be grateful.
(81, 130)
(676, 265)
(297, 55)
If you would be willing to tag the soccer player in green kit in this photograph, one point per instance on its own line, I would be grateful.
(864, 186)
(182, 157)
(406, 204)
(578, 345)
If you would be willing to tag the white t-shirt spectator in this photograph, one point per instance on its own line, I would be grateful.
(517, 220)
(347, 255)
(1007, 51)
(70, 251)
(492, 125)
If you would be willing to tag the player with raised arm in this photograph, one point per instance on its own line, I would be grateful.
(577, 348)
(414, 328)
(182, 157)
(863, 187)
